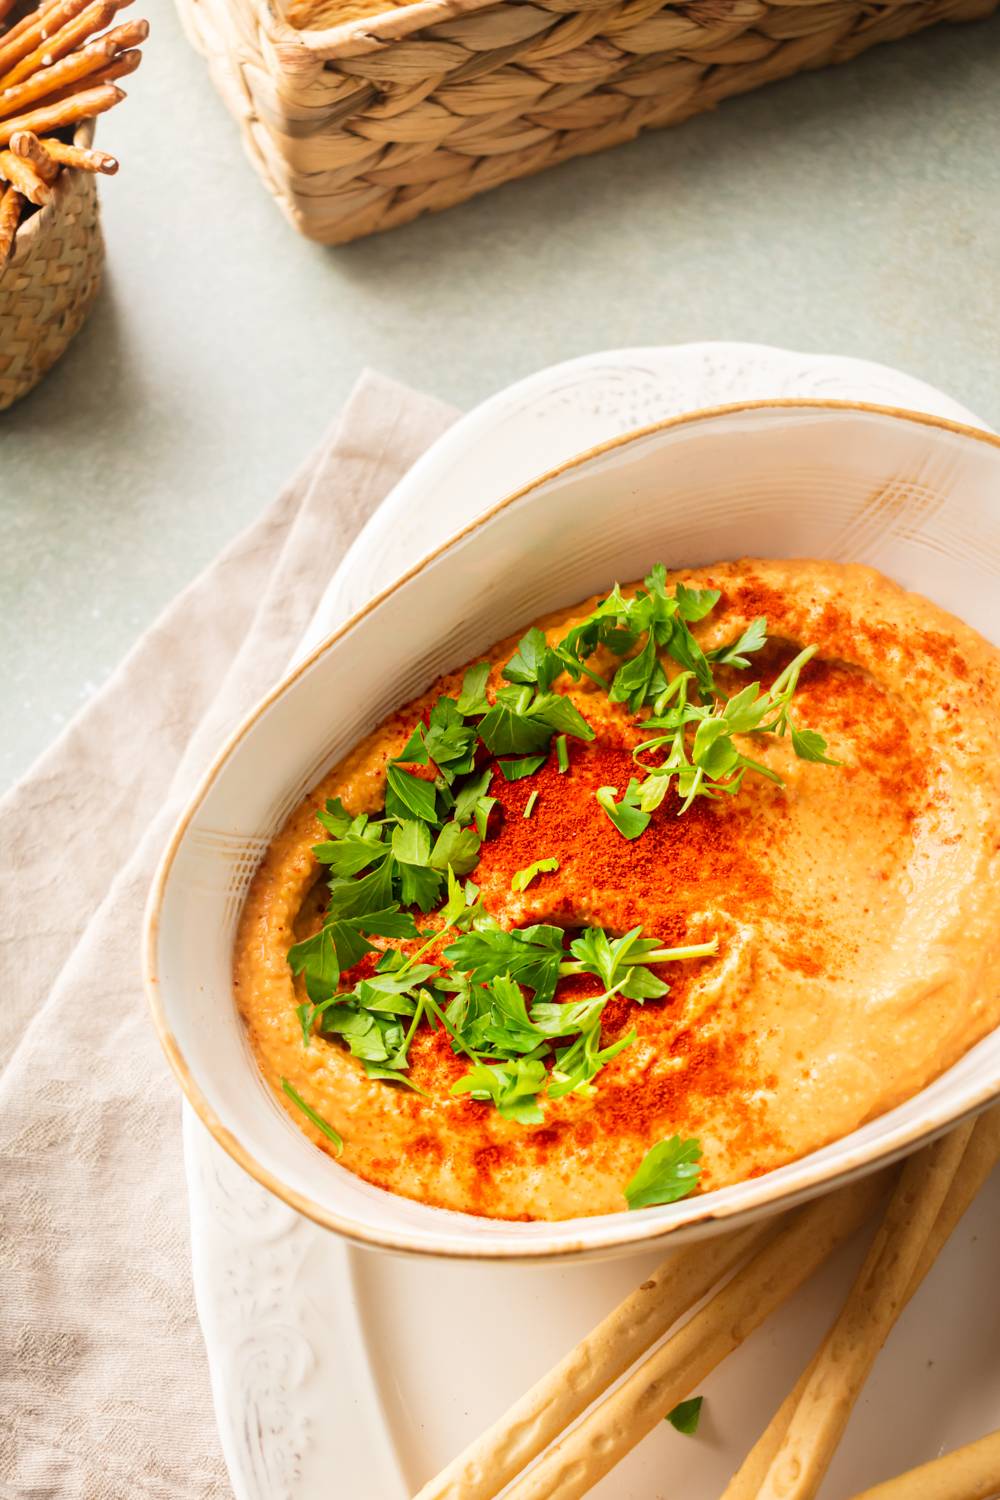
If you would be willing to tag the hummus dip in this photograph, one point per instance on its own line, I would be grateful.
(856, 906)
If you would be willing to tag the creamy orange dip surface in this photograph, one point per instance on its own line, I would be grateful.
(857, 908)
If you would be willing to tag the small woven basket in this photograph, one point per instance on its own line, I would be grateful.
(50, 279)
(369, 123)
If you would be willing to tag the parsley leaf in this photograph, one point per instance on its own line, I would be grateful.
(516, 770)
(533, 661)
(624, 814)
(669, 1171)
(472, 699)
(408, 795)
(521, 879)
(686, 1415)
(810, 745)
(736, 652)
(512, 1087)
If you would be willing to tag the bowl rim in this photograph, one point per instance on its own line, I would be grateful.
(639, 1232)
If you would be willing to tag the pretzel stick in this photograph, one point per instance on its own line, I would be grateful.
(30, 147)
(46, 80)
(6, 6)
(128, 34)
(94, 18)
(80, 157)
(872, 1307)
(22, 175)
(36, 18)
(489, 1462)
(672, 1371)
(55, 116)
(11, 204)
(969, 1473)
(981, 1156)
(36, 26)
(120, 67)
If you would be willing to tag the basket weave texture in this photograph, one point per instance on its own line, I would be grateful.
(50, 280)
(366, 125)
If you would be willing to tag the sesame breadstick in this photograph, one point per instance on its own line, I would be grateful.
(872, 1307)
(968, 1473)
(981, 1156)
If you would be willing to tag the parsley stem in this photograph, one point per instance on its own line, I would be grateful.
(310, 1114)
(659, 956)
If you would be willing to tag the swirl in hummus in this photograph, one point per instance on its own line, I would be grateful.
(855, 908)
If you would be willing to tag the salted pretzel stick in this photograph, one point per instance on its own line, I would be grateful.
(120, 67)
(981, 1156)
(76, 156)
(31, 149)
(55, 116)
(872, 1307)
(22, 175)
(36, 18)
(128, 34)
(969, 1473)
(674, 1369)
(95, 17)
(487, 1464)
(36, 27)
(11, 204)
(47, 80)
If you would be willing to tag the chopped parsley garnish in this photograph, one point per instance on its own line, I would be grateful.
(310, 1114)
(686, 1415)
(669, 1171)
(521, 879)
(492, 991)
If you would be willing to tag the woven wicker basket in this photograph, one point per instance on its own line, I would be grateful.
(368, 124)
(49, 280)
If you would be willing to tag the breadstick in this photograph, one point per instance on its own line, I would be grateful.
(81, 157)
(872, 1307)
(981, 1156)
(969, 1473)
(54, 116)
(487, 1464)
(30, 147)
(673, 1370)
(95, 17)
(11, 204)
(47, 80)
(22, 175)
(119, 67)
(36, 27)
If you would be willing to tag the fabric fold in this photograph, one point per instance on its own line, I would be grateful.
(104, 1391)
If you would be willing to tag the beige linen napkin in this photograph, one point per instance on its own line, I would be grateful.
(104, 1391)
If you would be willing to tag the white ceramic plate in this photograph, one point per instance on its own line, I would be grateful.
(292, 1315)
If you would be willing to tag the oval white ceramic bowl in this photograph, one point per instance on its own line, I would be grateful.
(915, 496)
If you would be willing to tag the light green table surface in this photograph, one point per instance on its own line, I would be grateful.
(855, 211)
